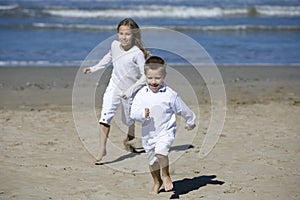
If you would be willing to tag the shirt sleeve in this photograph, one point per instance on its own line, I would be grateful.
(140, 61)
(138, 109)
(103, 63)
(180, 108)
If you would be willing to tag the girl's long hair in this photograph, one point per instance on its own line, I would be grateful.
(136, 34)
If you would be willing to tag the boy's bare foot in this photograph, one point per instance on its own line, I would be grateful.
(155, 188)
(168, 184)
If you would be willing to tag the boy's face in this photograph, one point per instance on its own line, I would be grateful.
(155, 78)
(125, 37)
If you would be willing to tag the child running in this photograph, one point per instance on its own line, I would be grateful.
(155, 106)
(127, 56)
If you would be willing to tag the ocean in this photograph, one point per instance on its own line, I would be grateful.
(233, 32)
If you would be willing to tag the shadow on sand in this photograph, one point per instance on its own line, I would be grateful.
(121, 158)
(187, 185)
(138, 151)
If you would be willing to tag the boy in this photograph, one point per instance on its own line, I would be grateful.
(155, 106)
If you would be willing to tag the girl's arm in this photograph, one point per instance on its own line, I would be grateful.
(140, 61)
(104, 62)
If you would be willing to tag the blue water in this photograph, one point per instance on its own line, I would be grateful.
(62, 33)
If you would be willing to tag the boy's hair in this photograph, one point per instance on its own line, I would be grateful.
(136, 34)
(155, 62)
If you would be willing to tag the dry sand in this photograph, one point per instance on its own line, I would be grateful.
(257, 155)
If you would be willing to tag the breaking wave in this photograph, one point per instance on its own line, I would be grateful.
(154, 11)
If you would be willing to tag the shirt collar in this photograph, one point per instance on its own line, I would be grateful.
(163, 88)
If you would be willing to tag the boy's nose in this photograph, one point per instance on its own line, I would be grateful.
(152, 81)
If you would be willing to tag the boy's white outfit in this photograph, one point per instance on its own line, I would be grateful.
(158, 132)
(126, 79)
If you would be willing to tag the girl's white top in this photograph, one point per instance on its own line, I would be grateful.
(163, 106)
(128, 69)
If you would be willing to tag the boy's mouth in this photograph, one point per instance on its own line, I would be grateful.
(154, 85)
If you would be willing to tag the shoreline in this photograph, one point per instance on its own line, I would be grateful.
(54, 85)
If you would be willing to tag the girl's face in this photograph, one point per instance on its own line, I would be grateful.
(155, 79)
(125, 37)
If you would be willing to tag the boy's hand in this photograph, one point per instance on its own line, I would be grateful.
(147, 113)
(191, 127)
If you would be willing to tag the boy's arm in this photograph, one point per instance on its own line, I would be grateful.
(138, 110)
(183, 110)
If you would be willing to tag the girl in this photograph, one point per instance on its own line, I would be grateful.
(128, 58)
(156, 105)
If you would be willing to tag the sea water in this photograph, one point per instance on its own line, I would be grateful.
(63, 33)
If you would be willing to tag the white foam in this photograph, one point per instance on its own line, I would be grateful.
(74, 26)
(278, 10)
(154, 11)
(39, 63)
(158, 11)
(241, 27)
(8, 7)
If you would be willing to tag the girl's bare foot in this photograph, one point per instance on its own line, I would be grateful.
(129, 137)
(97, 160)
(155, 188)
(168, 184)
(128, 143)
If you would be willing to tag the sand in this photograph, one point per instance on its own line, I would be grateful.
(257, 155)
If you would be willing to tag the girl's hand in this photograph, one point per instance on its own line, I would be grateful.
(87, 70)
(124, 96)
(147, 113)
(191, 127)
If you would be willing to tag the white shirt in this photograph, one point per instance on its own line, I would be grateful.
(128, 68)
(163, 106)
